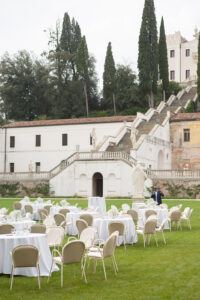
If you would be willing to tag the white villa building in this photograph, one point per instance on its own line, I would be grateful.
(182, 57)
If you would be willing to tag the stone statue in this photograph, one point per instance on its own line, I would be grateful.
(30, 167)
(196, 32)
(93, 136)
(134, 133)
(138, 179)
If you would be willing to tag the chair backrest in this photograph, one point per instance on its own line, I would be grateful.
(59, 219)
(81, 225)
(25, 256)
(6, 228)
(175, 215)
(164, 205)
(180, 206)
(87, 236)
(28, 208)
(134, 214)
(55, 235)
(150, 226)
(49, 221)
(186, 211)
(73, 252)
(109, 246)
(38, 228)
(17, 206)
(88, 218)
(64, 211)
(48, 207)
(43, 213)
(125, 208)
(150, 212)
(116, 226)
(162, 225)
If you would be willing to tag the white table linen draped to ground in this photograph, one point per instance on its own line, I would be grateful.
(101, 224)
(56, 208)
(9, 242)
(35, 206)
(162, 213)
(98, 202)
(20, 225)
(72, 217)
(137, 205)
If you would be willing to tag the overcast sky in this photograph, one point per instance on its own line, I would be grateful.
(22, 24)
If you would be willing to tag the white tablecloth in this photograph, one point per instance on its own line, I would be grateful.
(35, 206)
(162, 214)
(72, 217)
(137, 205)
(20, 225)
(9, 242)
(55, 209)
(101, 224)
(98, 202)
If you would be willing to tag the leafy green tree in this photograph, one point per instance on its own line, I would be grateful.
(198, 70)
(163, 61)
(148, 53)
(109, 80)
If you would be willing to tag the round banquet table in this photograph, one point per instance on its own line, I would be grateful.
(101, 224)
(162, 214)
(35, 205)
(98, 202)
(20, 225)
(72, 217)
(9, 241)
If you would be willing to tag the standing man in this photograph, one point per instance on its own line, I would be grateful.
(157, 195)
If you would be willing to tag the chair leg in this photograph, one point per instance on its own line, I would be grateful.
(124, 242)
(95, 265)
(38, 271)
(144, 238)
(50, 271)
(155, 237)
(61, 275)
(11, 278)
(164, 237)
(104, 269)
(83, 272)
(115, 263)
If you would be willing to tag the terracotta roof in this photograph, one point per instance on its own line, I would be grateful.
(70, 121)
(185, 117)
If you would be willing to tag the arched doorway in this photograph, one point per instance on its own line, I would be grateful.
(160, 160)
(97, 185)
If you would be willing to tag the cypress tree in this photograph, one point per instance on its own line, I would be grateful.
(148, 53)
(109, 79)
(163, 61)
(198, 70)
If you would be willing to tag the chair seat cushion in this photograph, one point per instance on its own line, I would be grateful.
(95, 254)
(57, 260)
(139, 231)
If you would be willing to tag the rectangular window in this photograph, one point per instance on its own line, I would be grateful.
(64, 139)
(37, 167)
(172, 53)
(12, 167)
(172, 75)
(38, 140)
(186, 133)
(187, 52)
(187, 74)
(12, 141)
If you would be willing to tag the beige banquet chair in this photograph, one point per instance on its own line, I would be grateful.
(87, 236)
(25, 256)
(175, 218)
(88, 218)
(186, 216)
(43, 213)
(120, 227)
(64, 211)
(60, 220)
(17, 206)
(161, 228)
(106, 252)
(55, 236)
(38, 228)
(28, 209)
(72, 253)
(150, 212)
(81, 225)
(148, 230)
(6, 228)
(48, 207)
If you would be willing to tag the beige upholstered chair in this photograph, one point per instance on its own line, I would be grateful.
(17, 206)
(28, 208)
(134, 214)
(55, 236)
(72, 253)
(185, 216)
(120, 227)
(88, 218)
(43, 213)
(106, 252)
(87, 236)
(64, 211)
(81, 225)
(60, 220)
(38, 228)
(48, 207)
(25, 256)
(175, 218)
(148, 230)
(6, 228)
(161, 229)
(150, 212)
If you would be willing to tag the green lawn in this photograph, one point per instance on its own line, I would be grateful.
(166, 272)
